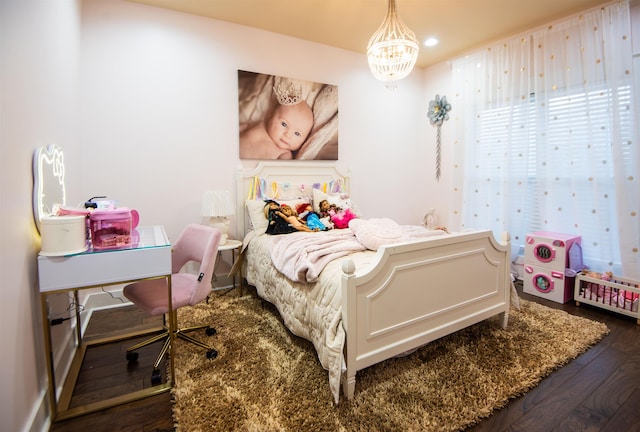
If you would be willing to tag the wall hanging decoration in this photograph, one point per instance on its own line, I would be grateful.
(392, 50)
(286, 118)
(438, 113)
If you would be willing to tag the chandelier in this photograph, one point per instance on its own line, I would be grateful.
(392, 50)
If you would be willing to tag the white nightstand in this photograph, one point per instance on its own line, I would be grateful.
(235, 246)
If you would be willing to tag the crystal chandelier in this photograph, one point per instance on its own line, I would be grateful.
(393, 49)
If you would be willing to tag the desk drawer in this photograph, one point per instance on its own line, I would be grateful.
(96, 269)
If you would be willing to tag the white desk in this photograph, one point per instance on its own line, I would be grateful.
(147, 258)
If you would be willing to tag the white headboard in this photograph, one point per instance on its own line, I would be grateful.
(298, 177)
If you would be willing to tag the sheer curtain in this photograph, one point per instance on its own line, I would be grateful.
(545, 137)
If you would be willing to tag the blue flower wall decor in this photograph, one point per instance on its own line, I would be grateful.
(438, 113)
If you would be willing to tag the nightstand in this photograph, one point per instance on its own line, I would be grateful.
(235, 246)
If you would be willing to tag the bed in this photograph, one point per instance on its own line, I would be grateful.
(369, 305)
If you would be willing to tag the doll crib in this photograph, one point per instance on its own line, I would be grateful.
(613, 293)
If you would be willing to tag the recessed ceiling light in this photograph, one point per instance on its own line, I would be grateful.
(431, 42)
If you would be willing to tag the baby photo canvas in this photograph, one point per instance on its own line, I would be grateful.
(286, 118)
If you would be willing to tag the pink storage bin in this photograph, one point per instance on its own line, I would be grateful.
(111, 229)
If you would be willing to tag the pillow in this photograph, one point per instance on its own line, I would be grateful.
(255, 209)
(294, 203)
(340, 200)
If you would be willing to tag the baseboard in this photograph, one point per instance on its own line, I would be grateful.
(39, 418)
(101, 300)
(221, 281)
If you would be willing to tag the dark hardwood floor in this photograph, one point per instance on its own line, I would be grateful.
(106, 373)
(598, 391)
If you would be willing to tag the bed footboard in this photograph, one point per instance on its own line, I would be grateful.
(421, 291)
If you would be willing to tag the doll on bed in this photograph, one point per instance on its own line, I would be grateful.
(292, 218)
(339, 217)
(276, 223)
(311, 218)
(283, 220)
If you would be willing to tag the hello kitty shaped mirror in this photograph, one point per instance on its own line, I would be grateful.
(48, 182)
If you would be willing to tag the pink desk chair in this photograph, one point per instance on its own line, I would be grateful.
(197, 243)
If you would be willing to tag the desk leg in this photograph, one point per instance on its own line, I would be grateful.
(173, 325)
(76, 299)
(53, 403)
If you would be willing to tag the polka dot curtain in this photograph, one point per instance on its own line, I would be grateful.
(546, 137)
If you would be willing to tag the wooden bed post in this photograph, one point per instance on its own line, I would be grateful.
(349, 298)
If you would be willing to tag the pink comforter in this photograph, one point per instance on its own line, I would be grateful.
(301, 256)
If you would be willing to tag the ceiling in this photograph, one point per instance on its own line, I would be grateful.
(460, 25)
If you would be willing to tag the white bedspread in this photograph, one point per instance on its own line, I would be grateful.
(301, 256)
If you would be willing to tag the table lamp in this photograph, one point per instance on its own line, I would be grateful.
(217, 206)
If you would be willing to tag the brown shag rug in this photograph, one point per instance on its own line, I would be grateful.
(267, 379)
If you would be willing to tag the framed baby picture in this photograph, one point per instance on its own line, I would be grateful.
(286, 118)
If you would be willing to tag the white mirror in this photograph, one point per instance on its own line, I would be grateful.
(48, 182)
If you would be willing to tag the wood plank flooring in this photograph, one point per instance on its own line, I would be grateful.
(598, 391)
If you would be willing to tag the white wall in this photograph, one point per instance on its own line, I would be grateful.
(160, 121)
(144, 103)
(437, 81)
(38, 106)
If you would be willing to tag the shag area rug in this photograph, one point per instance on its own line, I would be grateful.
(267, 379)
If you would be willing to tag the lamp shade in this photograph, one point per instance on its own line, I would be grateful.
(217, 203)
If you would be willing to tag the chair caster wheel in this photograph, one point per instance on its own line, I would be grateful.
(156, 377)
(212, 353)
(210, 331)
(132, 356)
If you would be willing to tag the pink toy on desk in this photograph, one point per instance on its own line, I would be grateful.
(111, 229)
(135, 219)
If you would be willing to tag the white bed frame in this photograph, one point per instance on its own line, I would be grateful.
(415, 292)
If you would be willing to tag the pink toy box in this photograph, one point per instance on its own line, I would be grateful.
(551, 261)
(111, 229)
